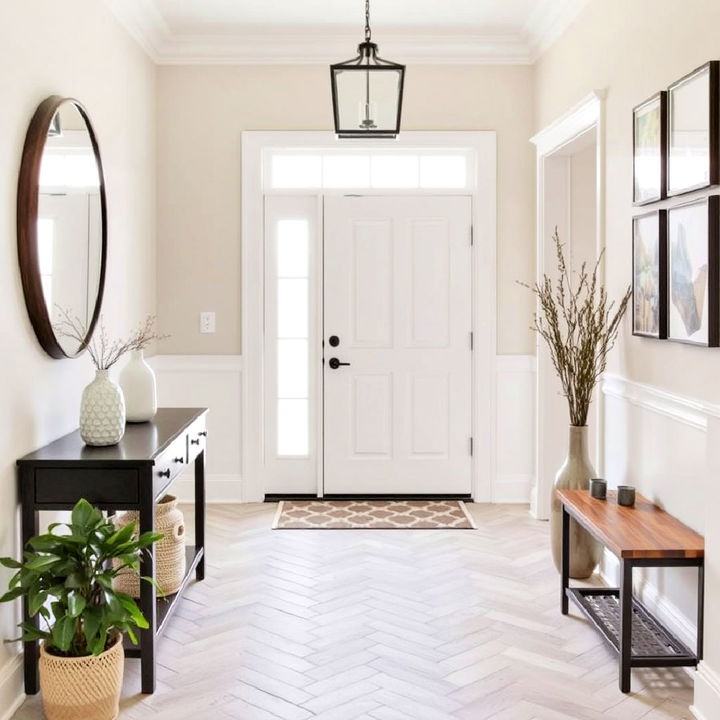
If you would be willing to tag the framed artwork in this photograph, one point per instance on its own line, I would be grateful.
(650, 149)
(650, 275)
(692, 277)
(693, 134)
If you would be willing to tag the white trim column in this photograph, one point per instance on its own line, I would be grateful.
(551, 414)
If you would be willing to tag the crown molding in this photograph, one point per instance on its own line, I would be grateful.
(319, 48)
(315, 45)
(548, 21)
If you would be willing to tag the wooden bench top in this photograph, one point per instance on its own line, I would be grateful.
(642, 531)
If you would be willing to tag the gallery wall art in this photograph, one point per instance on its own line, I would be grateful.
(676, 247)
(692, 272)
(649, 149)
(650, 275)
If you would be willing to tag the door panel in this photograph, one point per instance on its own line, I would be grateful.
(397, 293)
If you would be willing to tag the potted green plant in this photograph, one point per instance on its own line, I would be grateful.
(67, 578)
(580, 325)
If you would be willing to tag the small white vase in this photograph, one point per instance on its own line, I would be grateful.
(137, 381)
(102, 411)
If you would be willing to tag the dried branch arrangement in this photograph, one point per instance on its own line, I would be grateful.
(104, 351)
(580, 328)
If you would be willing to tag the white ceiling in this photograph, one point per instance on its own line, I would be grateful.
(231, 31)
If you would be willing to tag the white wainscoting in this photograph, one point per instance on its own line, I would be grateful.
(215, 382)
(706, 705)
(515, 428)
(11, 683)
(657, 441)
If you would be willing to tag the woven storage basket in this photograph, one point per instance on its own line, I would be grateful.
(169, 552)
(82, 688)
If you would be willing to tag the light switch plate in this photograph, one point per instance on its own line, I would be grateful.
(207, 322)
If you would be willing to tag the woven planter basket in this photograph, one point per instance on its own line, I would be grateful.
(82, 688)
(169, 552)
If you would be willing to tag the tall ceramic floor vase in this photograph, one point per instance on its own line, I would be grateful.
(82, 688)
(102, 411)
(575, 474)
(137, 381)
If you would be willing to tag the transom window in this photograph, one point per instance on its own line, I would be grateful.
(340, 168)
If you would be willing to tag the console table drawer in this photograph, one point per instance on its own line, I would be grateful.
(97, 486)
(170, 464)
(196, 437)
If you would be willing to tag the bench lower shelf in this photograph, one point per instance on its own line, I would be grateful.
(652, 644)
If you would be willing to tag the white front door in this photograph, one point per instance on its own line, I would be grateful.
(397, 303)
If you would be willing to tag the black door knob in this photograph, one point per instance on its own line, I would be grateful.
(334, 363)
(334, 340)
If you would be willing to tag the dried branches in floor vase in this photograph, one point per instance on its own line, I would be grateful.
(580, 326)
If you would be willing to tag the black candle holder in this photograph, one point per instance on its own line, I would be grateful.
(626, 495)
(598, 488)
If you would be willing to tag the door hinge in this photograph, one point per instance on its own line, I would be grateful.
(471, 446)
(472, 233)
(472, 341)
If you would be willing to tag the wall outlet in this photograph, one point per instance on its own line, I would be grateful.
(207, 322)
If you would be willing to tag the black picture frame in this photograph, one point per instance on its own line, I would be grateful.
(658, 103)
(684, 283)
(675, 185)
(657, 275)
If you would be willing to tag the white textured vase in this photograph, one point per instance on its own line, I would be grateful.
(137, 381)
(102, 411)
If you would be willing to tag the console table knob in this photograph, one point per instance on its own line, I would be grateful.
(164, 473)
(195, 441)
(203, 433)
(179, 460)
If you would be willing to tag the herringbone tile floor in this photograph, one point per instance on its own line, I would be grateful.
(386, 625)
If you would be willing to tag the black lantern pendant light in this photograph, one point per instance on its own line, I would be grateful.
(367, 92)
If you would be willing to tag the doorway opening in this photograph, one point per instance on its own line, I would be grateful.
(361, 368)
(569, 177)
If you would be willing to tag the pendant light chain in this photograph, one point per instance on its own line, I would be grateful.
(368, 33)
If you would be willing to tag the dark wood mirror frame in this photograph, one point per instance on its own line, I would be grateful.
(27, 211)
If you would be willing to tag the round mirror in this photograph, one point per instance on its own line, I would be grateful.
(62, 229)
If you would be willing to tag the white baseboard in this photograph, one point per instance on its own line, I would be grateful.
(707, 694)
(11, 683)
(219, 489)
(513, 489)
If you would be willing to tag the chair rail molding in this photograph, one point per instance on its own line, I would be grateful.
(689, 411)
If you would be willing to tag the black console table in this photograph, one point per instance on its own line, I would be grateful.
(131, 475)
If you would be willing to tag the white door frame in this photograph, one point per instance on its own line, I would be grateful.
(587, 115)
(483, 144)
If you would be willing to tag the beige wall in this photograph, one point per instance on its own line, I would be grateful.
(634, 49)
(70, 48)
(202, 111)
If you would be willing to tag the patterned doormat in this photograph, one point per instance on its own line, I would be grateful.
(372, 515)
